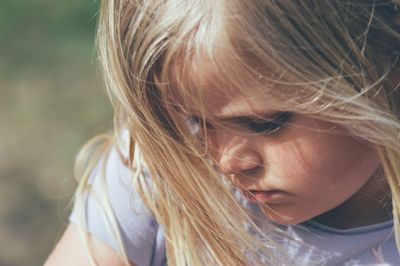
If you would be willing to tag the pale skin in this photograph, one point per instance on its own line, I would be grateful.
(307, 168)
(319, 171)
(70, 250)
(315, 169)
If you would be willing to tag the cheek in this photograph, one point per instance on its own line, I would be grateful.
(319, 158)
(298, 158)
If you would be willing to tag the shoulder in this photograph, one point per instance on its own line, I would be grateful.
(311, 243)
(115, 213)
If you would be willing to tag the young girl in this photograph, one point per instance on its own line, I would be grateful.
(256, 132)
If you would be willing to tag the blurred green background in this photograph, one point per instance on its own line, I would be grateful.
(51, 103)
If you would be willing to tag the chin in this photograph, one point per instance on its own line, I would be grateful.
(281, 218)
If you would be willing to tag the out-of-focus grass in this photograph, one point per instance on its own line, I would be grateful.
(51, 102)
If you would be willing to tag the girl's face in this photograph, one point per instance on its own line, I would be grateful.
(296, 167)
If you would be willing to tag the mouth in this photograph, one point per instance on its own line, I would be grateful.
(265, 196)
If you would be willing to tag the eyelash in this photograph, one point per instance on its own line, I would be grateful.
(265, 126)
(269, 127)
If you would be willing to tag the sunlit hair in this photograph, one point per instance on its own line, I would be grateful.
(333, 60)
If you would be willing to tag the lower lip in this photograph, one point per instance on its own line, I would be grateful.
(271, 196)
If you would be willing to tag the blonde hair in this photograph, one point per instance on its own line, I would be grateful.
(335, 59)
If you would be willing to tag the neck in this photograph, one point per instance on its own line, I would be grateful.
(372, 204)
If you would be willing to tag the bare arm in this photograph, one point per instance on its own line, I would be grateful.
(70, 250)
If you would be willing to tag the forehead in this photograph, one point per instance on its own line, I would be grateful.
(223, 102)
(211, 89)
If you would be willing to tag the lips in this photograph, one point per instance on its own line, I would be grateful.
(265, 196)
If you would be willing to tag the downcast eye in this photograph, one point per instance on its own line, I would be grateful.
(265, 126)
(268, 126)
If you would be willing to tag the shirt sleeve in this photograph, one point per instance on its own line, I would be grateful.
(141, 235)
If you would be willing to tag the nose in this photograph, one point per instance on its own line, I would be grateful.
(239, 158)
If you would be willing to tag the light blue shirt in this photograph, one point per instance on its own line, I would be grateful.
(309, 244)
